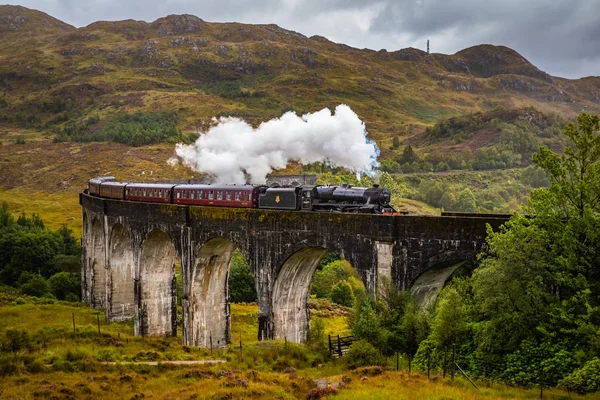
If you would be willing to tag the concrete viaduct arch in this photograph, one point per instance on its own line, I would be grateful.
(129, 250)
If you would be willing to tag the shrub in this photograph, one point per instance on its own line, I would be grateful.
(16, 340)
(342, 294)
(62, 284)
(36, 286)
(325, 279)
(35, 366)
(77, 354)
(72, 298)
(363, 354)
(583, 380)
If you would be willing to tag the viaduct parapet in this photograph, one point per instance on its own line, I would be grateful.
(131, 252)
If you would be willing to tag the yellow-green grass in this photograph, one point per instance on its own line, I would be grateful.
(55, 208)
(56, 320)
(244, 322)
(265, 370)
(403, 386)
(414, 207)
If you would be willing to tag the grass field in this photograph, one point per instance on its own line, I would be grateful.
(63, 364)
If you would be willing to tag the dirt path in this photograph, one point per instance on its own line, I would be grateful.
(189, 362)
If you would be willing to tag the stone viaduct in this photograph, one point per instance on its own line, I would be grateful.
(130, 251)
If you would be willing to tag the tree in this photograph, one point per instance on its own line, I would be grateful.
(450, 319)
(70, 244)
(536, 293)
(332, 273)
(368, 326)
(36, 286)
(408, 156)
(465, 201)
(342, 294)
(62, 284)
(413, 328)
(241, 280)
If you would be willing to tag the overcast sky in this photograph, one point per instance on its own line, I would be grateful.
(561, 37)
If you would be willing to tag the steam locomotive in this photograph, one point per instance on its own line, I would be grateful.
(343, 198)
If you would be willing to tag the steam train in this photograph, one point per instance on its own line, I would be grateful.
(343, 198)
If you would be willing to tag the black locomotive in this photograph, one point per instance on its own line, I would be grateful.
(343, 198)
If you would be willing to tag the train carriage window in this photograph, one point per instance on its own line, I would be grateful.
(219, 195)
(237, 196)
(199, 194)
(192, 195)
(144, 193)
(211, 195)
(178, 195)
(227, 195)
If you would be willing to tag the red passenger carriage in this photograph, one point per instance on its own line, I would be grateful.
(150, 192)
(94, 184)
(113, 190)
(244, 196)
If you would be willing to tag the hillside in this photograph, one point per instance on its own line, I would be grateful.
(59, 83)
(200, 70)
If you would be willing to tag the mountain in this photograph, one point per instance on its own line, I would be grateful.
(58, 79)
(22, 27)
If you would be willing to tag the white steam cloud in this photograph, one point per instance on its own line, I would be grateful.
(233, 149)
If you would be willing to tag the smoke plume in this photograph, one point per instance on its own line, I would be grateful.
(233, 150)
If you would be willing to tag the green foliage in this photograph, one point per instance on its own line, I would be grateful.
(30, 253)
(62, 284)
(34, 285)
(241, 280)
(363, 354)
(67, 263)
(583, 380)
(137, 129)
(331, 274)
(342, 294)
(534, 365)
(412, 330)
(465, 201)
(534, 301)
(368, 326)
(316, 333)
(396, 323)
(15, 340)
(408, 156)
(500, 191)
(329, 257)
(508, 138)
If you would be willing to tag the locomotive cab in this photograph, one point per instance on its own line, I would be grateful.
(307, 195)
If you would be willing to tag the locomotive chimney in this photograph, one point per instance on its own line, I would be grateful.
(375, 185)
